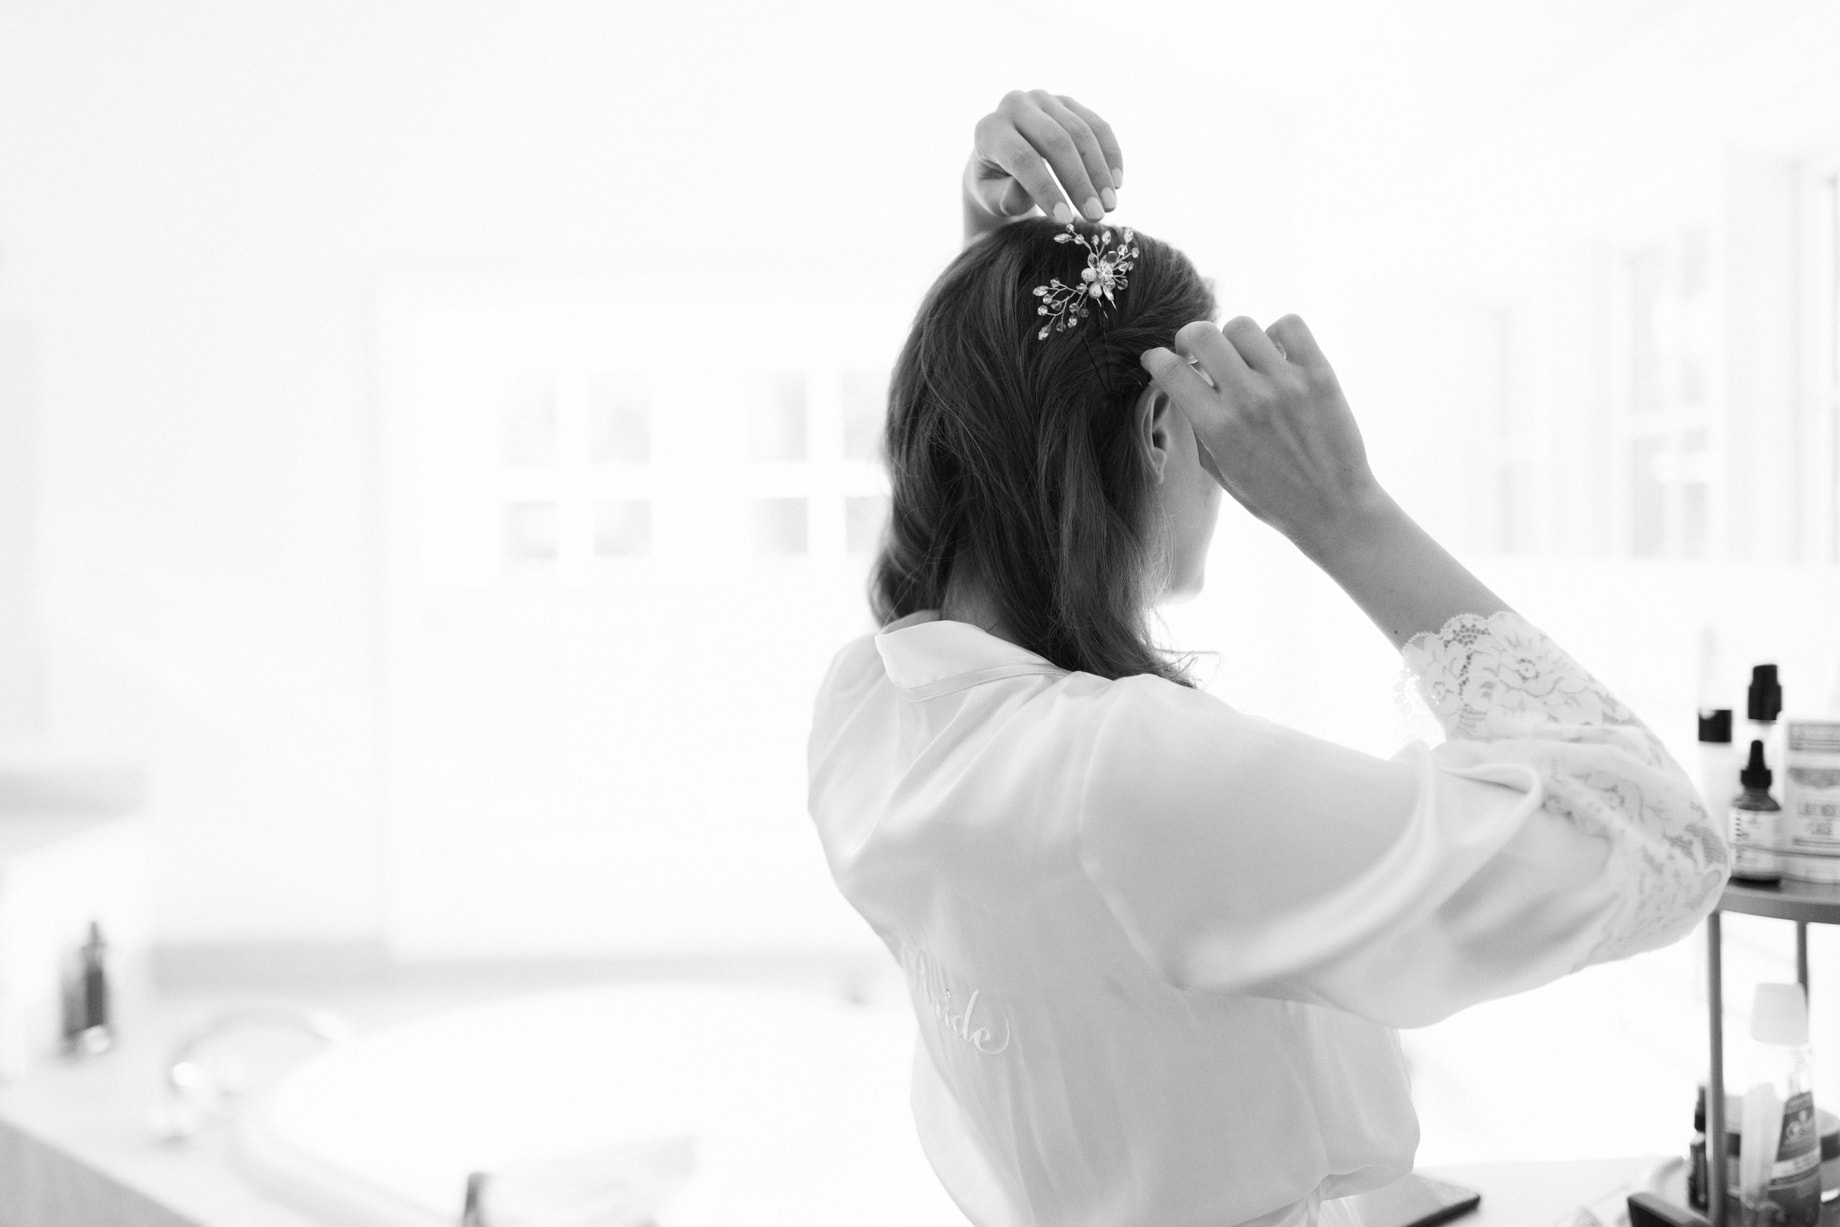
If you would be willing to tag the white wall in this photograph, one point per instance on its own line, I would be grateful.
(198, 203)
(21, 652)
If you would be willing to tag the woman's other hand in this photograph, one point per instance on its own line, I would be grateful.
(1040, 150)
(1274, 428)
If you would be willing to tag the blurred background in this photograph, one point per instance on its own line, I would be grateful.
(438, 441)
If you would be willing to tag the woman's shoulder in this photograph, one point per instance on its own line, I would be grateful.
(1149, 726)
(1147, 694)
(854, 667)
(1139, 723)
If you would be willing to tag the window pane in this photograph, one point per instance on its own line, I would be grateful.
(1696, 318)
(1833, 279)
(622, 527)
(779, 526)
(1695, 263)
(619, 429)
(529, 426)
(1646, 350)
(1507, 509)
(1501, 340)
(1647, 500)
(1831, 326)
(862, 523)
(865, 405)
(1694, 526)
(531, 533)
(1694, 475)
(778, 416)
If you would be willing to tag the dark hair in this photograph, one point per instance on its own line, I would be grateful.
(1019, 458)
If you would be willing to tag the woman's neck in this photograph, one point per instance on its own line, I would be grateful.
(967, 601)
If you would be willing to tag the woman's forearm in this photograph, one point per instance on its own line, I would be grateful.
(1396, 572)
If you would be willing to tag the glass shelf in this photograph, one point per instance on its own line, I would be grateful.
(1809, 902)
(1805, 903)
(1669, 1182)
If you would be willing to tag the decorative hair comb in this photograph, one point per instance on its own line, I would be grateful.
(1104, 272)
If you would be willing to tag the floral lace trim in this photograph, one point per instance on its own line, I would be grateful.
(1498, 675)
(1497, 678)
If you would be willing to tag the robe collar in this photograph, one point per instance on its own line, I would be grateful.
(926, 655)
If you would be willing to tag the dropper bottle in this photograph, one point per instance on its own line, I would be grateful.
(1756, 820)
(1764, 704)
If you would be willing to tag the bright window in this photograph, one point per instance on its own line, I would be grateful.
(1663, 425)
(621, 559)
(1821, 456)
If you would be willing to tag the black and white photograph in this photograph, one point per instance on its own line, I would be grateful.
(975, 613)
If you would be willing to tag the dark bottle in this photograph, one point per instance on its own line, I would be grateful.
(98, 1033)
(1762, 705)
(1697, 1180)
(1755, 822)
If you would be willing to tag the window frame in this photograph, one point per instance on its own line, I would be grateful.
(1818, 515)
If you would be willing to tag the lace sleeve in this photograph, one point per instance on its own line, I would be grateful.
(1498, 679)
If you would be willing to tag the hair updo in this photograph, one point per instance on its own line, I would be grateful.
(1019, 457)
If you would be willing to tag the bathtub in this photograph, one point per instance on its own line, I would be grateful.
(794, 1104)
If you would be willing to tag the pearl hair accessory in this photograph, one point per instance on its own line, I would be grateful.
(1104, 272)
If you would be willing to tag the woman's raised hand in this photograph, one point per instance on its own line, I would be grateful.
(1043, 149)
(1274, 428)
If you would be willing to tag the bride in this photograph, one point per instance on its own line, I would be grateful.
(1158, 949)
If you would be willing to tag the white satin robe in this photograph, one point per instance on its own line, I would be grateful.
(1158, 948)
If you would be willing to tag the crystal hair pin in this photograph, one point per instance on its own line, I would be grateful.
(1105, 271)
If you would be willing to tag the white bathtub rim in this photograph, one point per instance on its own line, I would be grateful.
(353, 1201)
(280, 1168)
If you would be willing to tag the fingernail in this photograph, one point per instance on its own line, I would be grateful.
(1110, 197)
(1091, 208)
(1062, 213)
(1117, 176)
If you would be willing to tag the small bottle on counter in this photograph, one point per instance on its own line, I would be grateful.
(1698, 1182)
(1699, 1179)
(1811, 800)
(1763, 704)
(88, 1029)
(1718, 760)
(1781, 1182)
(1755, 822)
(99, 1034)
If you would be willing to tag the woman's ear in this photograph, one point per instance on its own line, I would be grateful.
(1155, 417)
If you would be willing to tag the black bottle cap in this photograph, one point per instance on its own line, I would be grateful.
(1765, 696)
(1755, 774)
(1715, 724)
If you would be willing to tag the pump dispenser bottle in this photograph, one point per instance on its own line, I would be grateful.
(1718, 760)
(1779, 1160)
(1755, 823)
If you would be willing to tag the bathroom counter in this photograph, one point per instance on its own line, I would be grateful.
(75, 1149)
(77, 1146)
